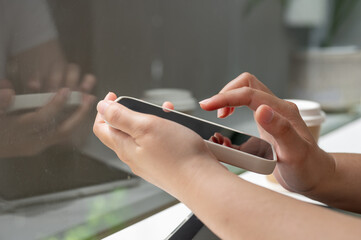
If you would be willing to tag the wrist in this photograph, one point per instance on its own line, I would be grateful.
(191, 176)
(327, 178)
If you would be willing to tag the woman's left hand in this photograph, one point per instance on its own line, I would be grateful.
(160, 151)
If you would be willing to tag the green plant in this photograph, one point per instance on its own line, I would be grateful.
(341, 11)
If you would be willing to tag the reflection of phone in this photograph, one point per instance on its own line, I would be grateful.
(244, 151)
(30, 102)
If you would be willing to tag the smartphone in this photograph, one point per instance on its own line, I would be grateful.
(228, 145)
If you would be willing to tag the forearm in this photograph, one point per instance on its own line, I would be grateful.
(236, 209)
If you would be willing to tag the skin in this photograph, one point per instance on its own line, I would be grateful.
(302, 166)
(43, 69)
(229, 206)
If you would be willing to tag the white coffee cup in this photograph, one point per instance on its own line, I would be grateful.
(182, 99)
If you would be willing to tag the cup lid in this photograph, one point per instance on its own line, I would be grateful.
(310, 111)
(182, 99)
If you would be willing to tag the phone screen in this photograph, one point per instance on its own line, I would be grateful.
(208, 131)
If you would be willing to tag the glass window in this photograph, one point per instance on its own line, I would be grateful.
(59, 57)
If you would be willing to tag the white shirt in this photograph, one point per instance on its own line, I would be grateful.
(24, 24)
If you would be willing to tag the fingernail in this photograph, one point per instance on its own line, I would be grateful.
(205, 101)
(268, 115)
(220, 113)
(102, 106)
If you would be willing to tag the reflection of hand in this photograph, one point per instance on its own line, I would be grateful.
(71, 78)
(302, 166)
(32, 132)
(60, 76)
(222, 140)
(160, 151)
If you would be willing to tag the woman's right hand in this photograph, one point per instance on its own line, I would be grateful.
(302, 166)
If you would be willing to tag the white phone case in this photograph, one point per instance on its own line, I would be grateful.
(229, 155)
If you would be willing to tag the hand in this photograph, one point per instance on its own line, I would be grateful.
(30, 133)
(161, 151)
(59, 76)
(70, 77)
(6, 95)
(82, 120)
(302, 166)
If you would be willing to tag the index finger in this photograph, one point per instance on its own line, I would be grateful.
(246, 96)
(245, 80)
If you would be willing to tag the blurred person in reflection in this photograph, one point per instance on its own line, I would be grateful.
(181, 164)
(31, 61)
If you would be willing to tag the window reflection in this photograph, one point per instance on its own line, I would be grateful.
(47, 108)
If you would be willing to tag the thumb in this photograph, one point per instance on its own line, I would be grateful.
(288, 141)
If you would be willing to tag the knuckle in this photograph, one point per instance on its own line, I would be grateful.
(147, 124)
(295, 113)
(293, 106)
(249, 92)
(113, 113)
(246, 75)
(249, 78)
(285, 128)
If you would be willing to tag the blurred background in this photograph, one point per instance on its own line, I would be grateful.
(307, 49)
(201, 45)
